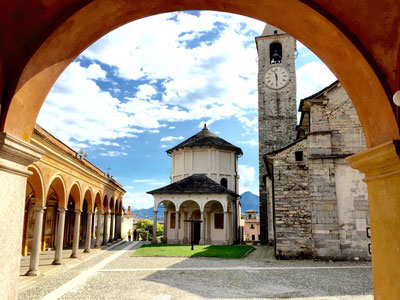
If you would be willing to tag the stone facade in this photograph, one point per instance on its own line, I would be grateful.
(320, 202)
(276, 110)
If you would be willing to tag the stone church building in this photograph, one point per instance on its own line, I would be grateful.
(204, 187)
(312, 203)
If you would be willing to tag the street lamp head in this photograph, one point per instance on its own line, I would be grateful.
(396, 98)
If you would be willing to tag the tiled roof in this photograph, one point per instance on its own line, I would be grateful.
(195, 184)
(206, 138)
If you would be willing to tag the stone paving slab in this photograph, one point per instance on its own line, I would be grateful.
(129, 277)
(46, 267)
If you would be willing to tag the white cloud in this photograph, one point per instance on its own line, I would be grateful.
(154, 131)
(171, 138)
(247, 179)
(312, 77)
(164, 146)
(113, 153)
(150, 181)
(78, 110)
(146, 91)
(252, 142)
(171, 127)
(138, 200)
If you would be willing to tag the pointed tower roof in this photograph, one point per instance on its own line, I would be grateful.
(271, 30)
(206, 138)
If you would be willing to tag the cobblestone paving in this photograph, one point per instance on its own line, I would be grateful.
(255, 277)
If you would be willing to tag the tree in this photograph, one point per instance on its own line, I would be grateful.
(146, 225)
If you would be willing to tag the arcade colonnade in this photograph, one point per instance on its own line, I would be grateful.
(69, 203)
(217, 226)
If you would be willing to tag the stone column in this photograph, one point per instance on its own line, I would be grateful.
(209, 225)
(98, 230)
(177, 227)
(202, 228)
(15, 156)
(185, 229)
(37, 240)
(230, 227)
(105, 231)
(165, 237)
(381, 166)
(60, 236)
(116, 227)
(88, 238)
(112, 224)
(75, 241)
(226, 227)
(154, 240)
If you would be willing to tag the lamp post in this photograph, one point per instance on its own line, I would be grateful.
(192, 222)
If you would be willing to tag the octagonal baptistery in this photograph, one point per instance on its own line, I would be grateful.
(204, 187)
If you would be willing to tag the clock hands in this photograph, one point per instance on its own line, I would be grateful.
(276, 78)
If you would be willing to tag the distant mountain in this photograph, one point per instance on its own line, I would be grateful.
(147, 213)
(249, 201)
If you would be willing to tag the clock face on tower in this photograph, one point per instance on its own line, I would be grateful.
(276, 77)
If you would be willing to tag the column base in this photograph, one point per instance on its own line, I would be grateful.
(57, 262)
(86, 251)
(201, 242)
(73, 256)
(33, 273)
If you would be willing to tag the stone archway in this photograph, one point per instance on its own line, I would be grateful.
(339, 50)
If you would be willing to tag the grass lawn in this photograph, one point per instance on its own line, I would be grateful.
(231, 251)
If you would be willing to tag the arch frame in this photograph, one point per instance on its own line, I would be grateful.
(337, 47)
(62, 203)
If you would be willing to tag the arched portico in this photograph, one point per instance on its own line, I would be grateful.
(87, 219)
(106, 213)
(33, 220)
(73, 219)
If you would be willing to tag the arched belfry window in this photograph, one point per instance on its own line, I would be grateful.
(275, 53)
(224, 183)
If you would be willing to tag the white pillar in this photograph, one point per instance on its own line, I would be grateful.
(15, 156)
(185, 229)
(112, 223)
(165, 237)
(60, 236)
(177, 227)
(202, 228)
(37, 240)
(98, 230)
(75, 241)
(105, 231)
(226, 227)
(88, 238)
(154, 241)
(230, 228)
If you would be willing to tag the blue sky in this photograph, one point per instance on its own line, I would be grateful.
(148, 85)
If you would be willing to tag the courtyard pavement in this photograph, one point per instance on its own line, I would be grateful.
(115, 274)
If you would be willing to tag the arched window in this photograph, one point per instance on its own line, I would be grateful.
(224, 183)
(275, 53)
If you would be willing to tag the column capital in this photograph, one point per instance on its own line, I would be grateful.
(62, 210)
(16, 155)
(379, 161)
(78, 211)
(38, 208)
(89, 212)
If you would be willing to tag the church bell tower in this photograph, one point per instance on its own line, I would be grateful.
(276, 109)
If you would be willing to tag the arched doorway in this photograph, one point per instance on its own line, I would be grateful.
(190, 210)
